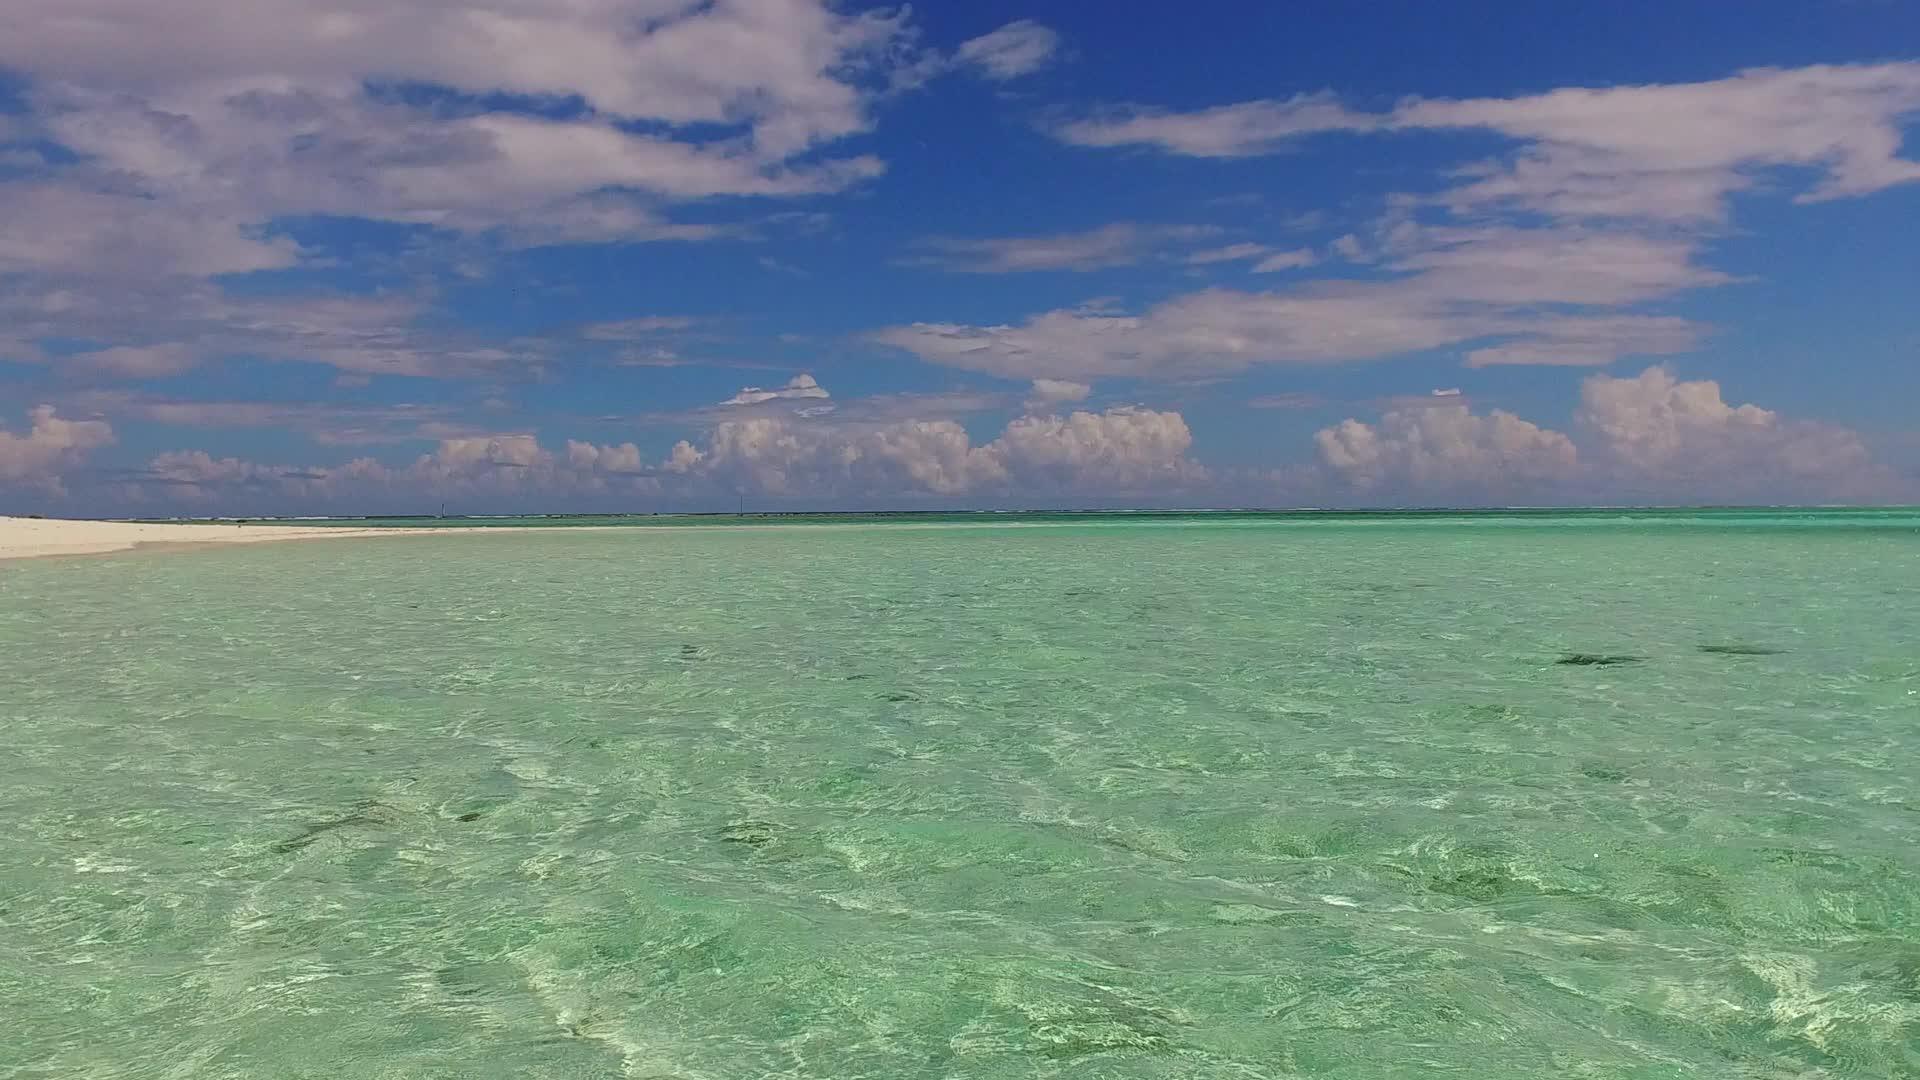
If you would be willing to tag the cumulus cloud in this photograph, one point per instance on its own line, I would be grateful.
(1018, 48)
(481, 466)
(589, 457)
(1112, 453)
(1650, 436)
(778, 456)
(1685, 436)
(50, 445)
(1445, 449)
(1119, 450)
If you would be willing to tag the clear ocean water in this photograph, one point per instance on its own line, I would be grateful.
(1603, 794)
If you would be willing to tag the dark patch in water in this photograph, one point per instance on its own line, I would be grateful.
(471, 815)
(692, 652)
(751, 833)
(899, 695)
(1602, 772)
(1582, 659)
(1817, 860)
(851, 678)
(1739, 650)
(1478, 883)
(1905, 977)
(367, 813)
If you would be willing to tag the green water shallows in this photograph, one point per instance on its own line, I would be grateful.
(1177, 797)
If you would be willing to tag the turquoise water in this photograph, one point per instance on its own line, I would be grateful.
(1171, 797)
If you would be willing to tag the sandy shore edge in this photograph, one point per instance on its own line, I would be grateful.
(32, 538)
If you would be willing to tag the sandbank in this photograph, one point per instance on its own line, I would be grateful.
(27, 538)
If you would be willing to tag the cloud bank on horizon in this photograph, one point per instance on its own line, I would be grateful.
(635, 254)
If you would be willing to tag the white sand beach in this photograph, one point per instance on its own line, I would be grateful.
(26, 538)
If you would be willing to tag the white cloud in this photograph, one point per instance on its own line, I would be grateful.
(1119, 244)
(1618, 173)
(1047, 393)
(1242, 130)
(50, 445)
(1671, 152)
(1113, 452)
(778, 67)
(1212, 331)
(1018, 48)
(1651, 436)
(1564, 265)
(134, 361)
(589, 457)
(636, 329)
(1676, 151)
(1120, 451)
(1453, 285)
(268, 153)
(1445, 448)
(481, 466)
(1224, 330)
(1226, 253)
(1590, 341)
(1286, 260)
(323, 421)
(778, 456)
(800, 387)
(373, 334)
(1293, 399)
(1682, 435)
(198, 123)
(53, 231)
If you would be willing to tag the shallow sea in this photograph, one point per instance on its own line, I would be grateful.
(1211, 796)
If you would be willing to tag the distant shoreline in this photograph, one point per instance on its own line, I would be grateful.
(34, 537)
(708, 516)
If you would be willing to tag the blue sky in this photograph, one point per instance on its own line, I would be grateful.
(535, 255)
